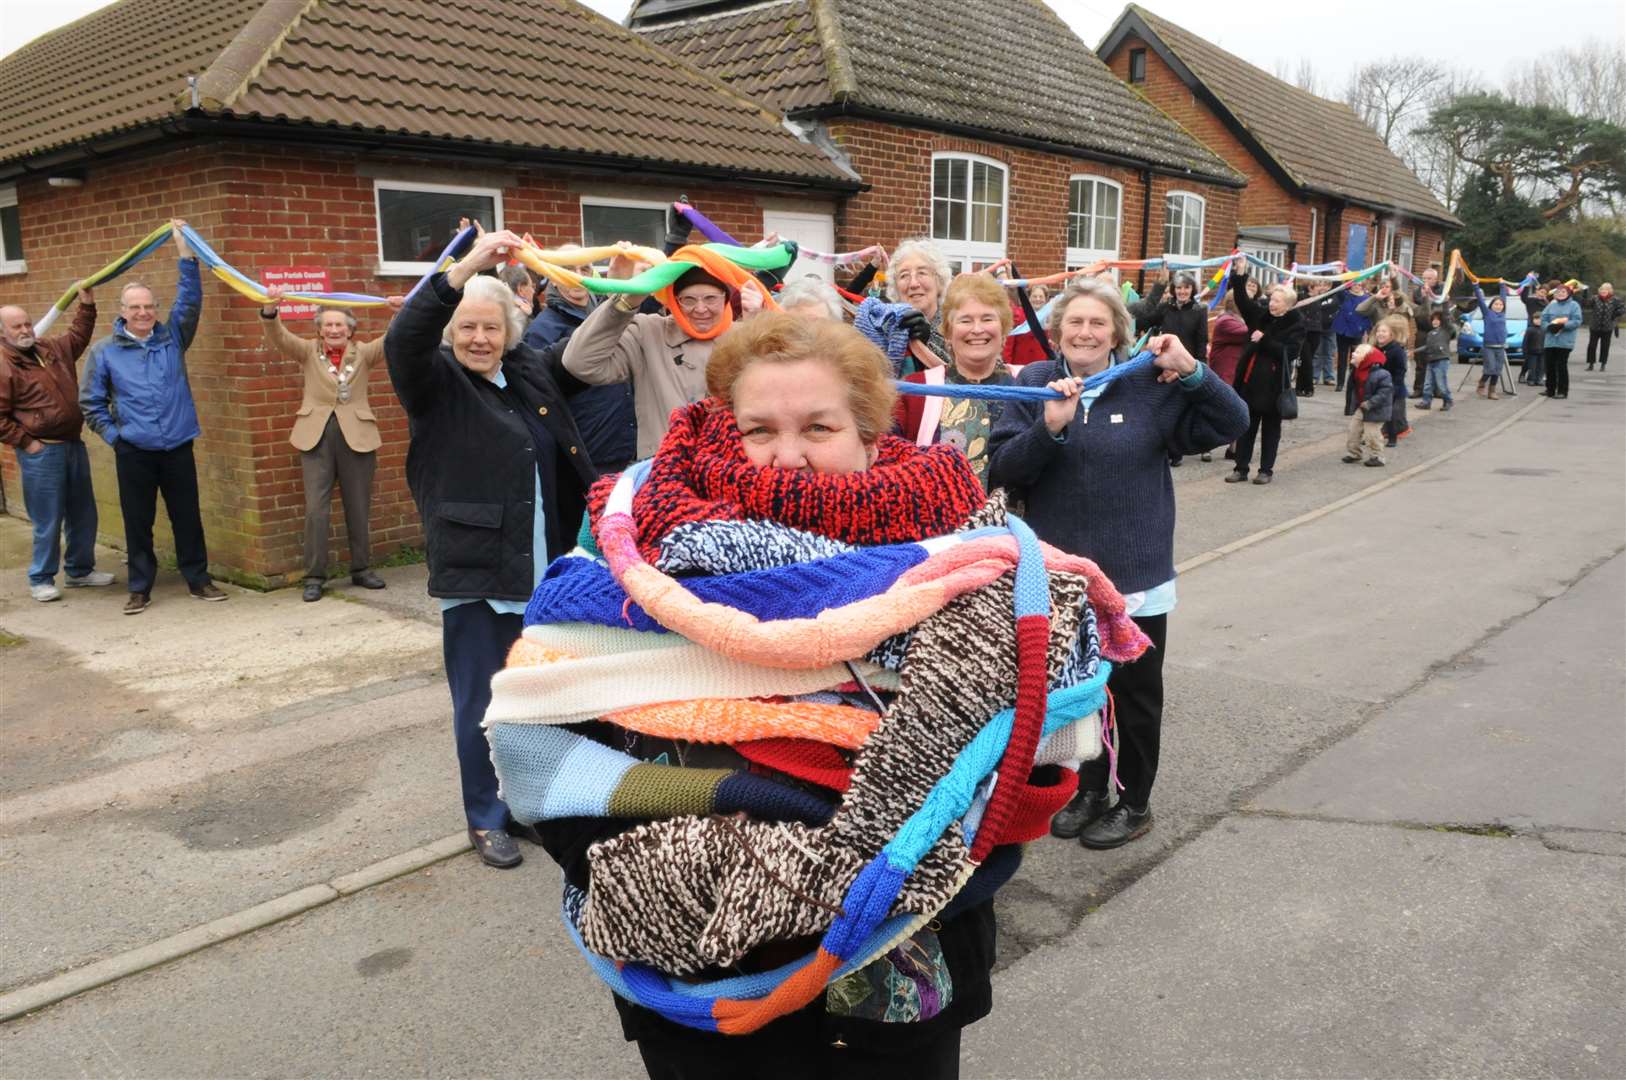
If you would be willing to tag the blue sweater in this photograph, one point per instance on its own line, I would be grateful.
(137, 392)
(1104, 491)
(1564, 336)
(1495, 321)
(1347, 323)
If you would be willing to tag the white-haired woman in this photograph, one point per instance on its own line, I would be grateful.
(335, 433)
(919, 275)
(812, 298)
(497, 469)
(1103, 490)
(1275, 338)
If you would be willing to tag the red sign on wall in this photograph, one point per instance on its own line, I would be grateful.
(300, 279)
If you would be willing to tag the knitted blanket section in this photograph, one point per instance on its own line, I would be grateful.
(882, 672)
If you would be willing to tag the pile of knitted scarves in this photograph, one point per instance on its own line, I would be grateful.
(889, 660)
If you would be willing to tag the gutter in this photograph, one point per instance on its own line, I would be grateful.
(1145, 225)
(852, 111)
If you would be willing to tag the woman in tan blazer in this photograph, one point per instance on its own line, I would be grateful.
(335, 432)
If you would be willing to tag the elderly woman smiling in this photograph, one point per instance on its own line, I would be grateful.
(497, 470)
(976, 318)
(1093, 467)
(919, 277)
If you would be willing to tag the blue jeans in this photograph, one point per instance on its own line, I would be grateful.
(57, 495)
(1323, 355)
(1495, 360)
(1437, 380)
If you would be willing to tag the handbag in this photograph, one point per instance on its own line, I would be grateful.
(1287, 402)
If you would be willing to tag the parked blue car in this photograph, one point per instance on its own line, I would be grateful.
(1470, 339)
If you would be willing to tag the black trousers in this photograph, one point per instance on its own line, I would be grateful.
(332, 461)
(1267, 427)
(1597, 347)
(739, 1058)
(1137, 695)
(1305, 384)
(1346, 346)
(475, 641)
(143, 474)
(1557, 363)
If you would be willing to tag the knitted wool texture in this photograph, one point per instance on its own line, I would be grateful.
(701, 473)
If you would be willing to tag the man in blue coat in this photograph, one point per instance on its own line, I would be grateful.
(135, 395)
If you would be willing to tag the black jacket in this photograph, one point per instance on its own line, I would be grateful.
(1316, 316)
(470, 464)
(1188, 322)
(604, 414)
(1261, 372)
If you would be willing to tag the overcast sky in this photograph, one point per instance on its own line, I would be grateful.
(1336, 37)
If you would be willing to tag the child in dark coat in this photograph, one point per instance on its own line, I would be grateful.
(1369, 401)
(1389, 338)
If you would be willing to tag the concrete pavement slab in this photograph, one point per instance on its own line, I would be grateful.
(458, 970)
(1277, 948)
(1528, 730)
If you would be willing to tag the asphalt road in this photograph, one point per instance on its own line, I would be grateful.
(1391, 777)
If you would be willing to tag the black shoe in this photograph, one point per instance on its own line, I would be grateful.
(1352, 459)
(496, 848)
(1117, 827)
(1423, 406)
(313, 591)
(1084, 809)
(137, 603)
(366, 579)
(207, 591)
(1236, 477)
(1174, 462)
(525, 832)
(1391, 442)
(1589, 367)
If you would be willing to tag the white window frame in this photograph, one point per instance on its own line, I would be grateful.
(415, 269)
(1202, 228)
(8, 265)
(597, 200)
(1083, 256)
(1406, 250)
(1388, 242)
(971, 253)
(1315, 225)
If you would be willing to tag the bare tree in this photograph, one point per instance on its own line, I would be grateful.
(1394, 95)
(1304, 76)
(1588, 81)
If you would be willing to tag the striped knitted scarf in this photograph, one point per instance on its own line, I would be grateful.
(943, 777)
(701, 473)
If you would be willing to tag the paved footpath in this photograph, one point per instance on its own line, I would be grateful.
(1389, 842)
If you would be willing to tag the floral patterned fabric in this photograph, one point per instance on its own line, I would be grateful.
(910, 983)
(967, 422)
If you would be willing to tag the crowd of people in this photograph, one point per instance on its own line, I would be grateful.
(522, 403)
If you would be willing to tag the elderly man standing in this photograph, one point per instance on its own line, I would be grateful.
(41, 419)
(137, 397)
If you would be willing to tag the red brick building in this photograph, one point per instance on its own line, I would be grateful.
(348, 137)
(990, 127)
(1321, 183)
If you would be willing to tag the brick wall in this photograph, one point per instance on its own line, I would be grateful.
(896, 162)
(263, 206)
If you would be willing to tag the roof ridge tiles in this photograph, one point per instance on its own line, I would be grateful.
(237, 65)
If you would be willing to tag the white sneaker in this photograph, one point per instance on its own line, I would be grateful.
(45, 593)
(95, 579)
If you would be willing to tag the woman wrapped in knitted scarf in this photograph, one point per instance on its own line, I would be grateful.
(796, 433)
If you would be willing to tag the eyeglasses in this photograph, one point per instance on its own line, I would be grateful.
(705, 300)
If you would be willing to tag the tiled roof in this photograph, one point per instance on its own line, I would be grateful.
(548, 76)
(1011, 69)
(1322, 145)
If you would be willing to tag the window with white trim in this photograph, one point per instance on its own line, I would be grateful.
(11, 234)
(1408, 245)
(1094, 218)
(1315, 224)
(604, 221)
(968, 209)
(417, 221)
(1183, 215)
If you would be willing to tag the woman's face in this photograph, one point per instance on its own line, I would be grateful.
(1359, 288)
(1498, 304)
(798, 416)
(1087, 337)
(1182, 292)
(333, 329)
(1039, 295)
(479, 329)
(1281, 301)
(917, 284)
(1381, 335)
(703, 304)
(975, 335)
(1561, 294)
(1253, 288)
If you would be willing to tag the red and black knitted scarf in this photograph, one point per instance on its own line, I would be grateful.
(701, 473)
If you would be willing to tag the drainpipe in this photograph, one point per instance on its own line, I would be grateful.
(1145, 225)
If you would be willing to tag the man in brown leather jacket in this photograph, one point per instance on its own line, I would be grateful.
(40, 419)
